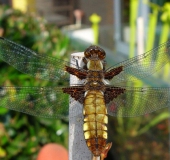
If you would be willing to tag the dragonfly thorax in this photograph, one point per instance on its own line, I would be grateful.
(95, 65)
(95, 85)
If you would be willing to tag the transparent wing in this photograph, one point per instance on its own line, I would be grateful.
(29, 62)
(48, 102)
(139, 101)
(143, 65)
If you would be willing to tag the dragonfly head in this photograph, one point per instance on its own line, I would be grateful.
(94, 56)
(94, 53)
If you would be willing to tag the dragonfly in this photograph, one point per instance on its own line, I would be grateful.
(105, 91)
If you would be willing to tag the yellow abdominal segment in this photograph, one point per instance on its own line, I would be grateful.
(95, 121)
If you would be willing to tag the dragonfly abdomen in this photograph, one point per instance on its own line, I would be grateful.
(95, 122)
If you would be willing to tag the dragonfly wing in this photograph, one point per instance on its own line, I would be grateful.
(139, 101)
(29, 62)
(142, 66)
(48, 102)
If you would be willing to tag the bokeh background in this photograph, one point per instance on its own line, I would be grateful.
(124, 28)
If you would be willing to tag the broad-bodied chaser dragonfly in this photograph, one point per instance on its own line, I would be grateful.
(99, 98)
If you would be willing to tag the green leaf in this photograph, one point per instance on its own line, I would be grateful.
(153, 122)
(2, 152)
(3, 110)
(4, 140)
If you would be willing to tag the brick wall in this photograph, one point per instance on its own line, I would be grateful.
(57, 13)
(104, 8)
(44, 6)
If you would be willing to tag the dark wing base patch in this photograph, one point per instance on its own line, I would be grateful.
(76, 72)
(113, 72)
(75, 92)
(112, 92)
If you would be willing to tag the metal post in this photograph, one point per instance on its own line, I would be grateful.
(77, 145)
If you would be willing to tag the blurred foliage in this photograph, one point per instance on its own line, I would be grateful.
(95, 20)
(21, 136)
(140, 138)
(133, 16)
(145, 137)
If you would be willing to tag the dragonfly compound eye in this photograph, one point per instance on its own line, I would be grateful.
(94, 52)
(101, 54)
